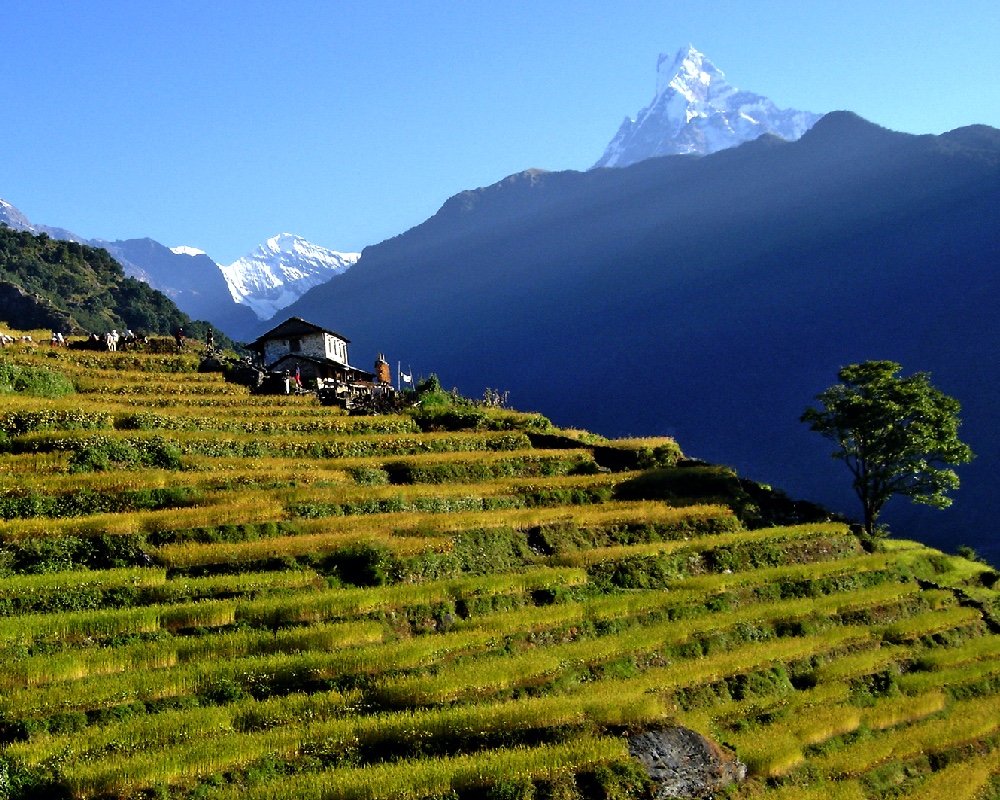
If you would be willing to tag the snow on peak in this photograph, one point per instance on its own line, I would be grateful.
(184, 250)
(688, 72)
(290, 244)
(14, 218)
(280, 271)
(696, 110)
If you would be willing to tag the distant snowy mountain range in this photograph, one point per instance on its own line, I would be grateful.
(280, 271)
(265, 281)
(696, 110)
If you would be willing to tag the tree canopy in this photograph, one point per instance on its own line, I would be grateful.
(897, 436)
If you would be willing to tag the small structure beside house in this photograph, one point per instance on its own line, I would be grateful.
(319, 356)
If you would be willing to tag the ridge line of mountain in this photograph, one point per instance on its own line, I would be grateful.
(691, 294)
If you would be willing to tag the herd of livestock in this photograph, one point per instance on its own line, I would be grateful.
(111, 341)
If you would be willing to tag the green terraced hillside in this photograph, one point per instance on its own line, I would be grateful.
(209, 594)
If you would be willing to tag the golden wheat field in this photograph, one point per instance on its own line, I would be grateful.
(210, 594)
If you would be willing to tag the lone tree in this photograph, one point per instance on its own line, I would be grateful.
(898, 436)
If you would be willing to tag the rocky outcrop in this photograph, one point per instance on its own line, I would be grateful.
(683, 763)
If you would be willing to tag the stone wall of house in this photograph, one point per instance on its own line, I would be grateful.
(314, 345)
(275, 349)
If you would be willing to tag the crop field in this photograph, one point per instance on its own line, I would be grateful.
(210, 594)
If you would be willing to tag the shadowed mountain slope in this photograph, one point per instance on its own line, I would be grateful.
(712, 297)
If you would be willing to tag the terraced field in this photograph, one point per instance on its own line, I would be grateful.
(209, 594)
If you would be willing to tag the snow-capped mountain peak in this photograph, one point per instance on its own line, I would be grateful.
(184, 250)
(280, 271)
(13, 218)
(696, 110)
(688, 72)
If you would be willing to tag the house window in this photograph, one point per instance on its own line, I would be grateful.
(294, 345)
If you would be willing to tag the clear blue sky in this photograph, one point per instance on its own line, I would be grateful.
(219, 124)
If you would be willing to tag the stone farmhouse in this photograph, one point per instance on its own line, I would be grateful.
(317, 352)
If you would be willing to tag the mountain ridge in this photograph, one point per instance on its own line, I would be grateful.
(194, 283)
(573, 290)
(235, 296)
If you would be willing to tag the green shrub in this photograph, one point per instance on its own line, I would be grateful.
(629, 454)
(511, 789)
(369, 476)
(37, 556)
(62, 553)
(429, 386)
(221, 691)
(765, 683)
(639, 572)
(297, 446)
(966, 552)
(36, 381)
(458, 471)
(102, 454)
(866, 690)
(477, 551)
(67, 722)
(41, 782)
(684, 483)
(560, 787)
(437, 418)
(363, 565)
(461, 415)
(619, 780)
(703, 484)
(20, 422)
(86, 501)
(888, 780)
(246, 532)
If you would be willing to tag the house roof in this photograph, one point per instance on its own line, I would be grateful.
(291, 327)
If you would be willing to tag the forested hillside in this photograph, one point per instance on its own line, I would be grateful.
(58, 284)
(216, 595)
